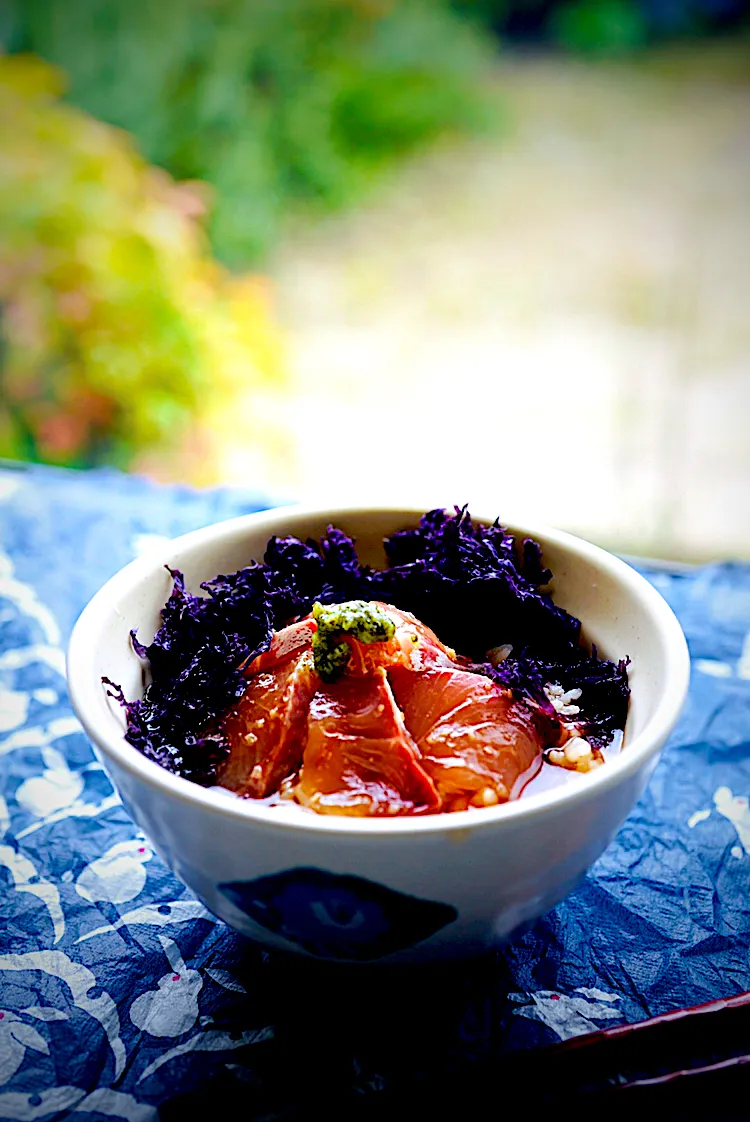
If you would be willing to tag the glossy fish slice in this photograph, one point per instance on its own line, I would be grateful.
(267, 729)
(474, 739)
(291, 640)
(359, 758)
(414, 645)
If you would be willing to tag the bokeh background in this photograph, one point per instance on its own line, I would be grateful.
(483, 251)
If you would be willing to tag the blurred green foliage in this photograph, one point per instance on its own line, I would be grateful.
(119, 334)
(600, 26)
(604, 27)
(275, 103)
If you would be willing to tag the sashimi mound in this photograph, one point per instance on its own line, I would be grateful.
(361, 710)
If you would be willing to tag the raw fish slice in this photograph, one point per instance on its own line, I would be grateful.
(267, 729)
(289, 641)
(423, 705)
(414, 646)
(474, 739)
(359, 758)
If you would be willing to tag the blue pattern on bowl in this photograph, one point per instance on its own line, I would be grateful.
(335, 916)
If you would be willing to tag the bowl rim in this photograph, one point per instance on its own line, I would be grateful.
(84, 683)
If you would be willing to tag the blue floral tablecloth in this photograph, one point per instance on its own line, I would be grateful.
(121, 997)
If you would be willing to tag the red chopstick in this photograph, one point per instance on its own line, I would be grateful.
(695, 1073)
(699, 1045)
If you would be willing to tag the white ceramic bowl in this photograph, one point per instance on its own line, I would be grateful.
(403, 889)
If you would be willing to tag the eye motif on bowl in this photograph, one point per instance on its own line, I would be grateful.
(335, 916)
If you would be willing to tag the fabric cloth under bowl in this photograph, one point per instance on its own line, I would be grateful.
(120, 996)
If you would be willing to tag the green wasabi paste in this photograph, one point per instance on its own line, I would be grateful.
(363, 621)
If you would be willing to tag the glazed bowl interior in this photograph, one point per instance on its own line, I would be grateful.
(622, 615)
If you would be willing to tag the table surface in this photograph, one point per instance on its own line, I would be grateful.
(120, 996)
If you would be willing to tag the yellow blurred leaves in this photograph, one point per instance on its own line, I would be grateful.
(32, 78)
(121, 337)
